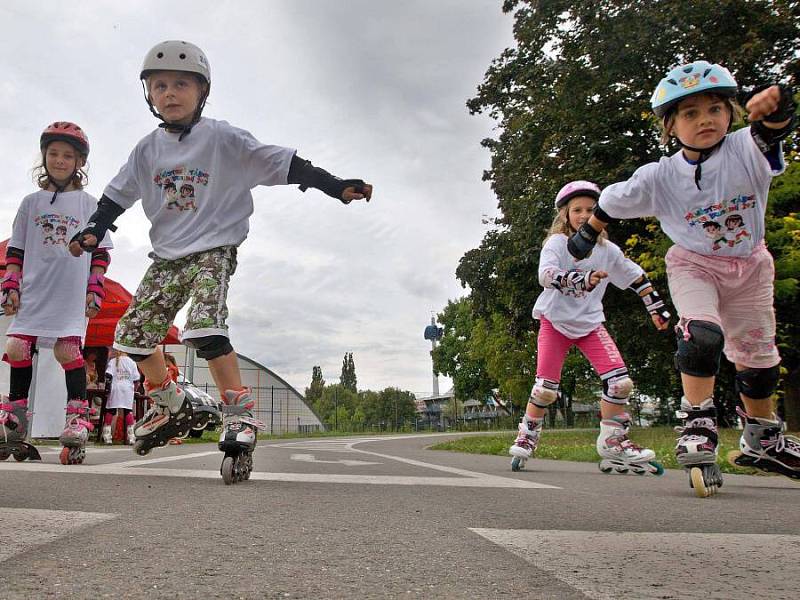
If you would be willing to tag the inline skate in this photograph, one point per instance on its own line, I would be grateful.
(618, 453)
(14, 421)
(697, 447)
(239, 436)
(169, 417)
(530, 430)
(764, 446)
(76, 432)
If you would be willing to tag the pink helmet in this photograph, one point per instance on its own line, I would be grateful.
(64, 131)
(576, 188)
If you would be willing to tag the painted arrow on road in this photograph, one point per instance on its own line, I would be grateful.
(344, 461)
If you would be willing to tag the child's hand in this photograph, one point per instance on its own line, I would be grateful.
(596, 277)
(661, 323)
(11, 304)
(91, 306)
(75, 247)
(350, 193)
(763, 103)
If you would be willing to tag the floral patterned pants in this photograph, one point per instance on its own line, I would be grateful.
(167, 286)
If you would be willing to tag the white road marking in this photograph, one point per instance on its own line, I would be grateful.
(606, 565)
(349, 463)
(22, 528)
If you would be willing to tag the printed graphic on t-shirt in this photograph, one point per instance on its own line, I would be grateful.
(55, 228)
(722, 222)
(179, 186)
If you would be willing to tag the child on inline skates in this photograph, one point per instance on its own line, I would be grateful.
(721, 282)
(121, 377)
(49, 293)
(571, 314)
(194, 251)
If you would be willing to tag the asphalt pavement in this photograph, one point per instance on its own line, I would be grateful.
(384, 517)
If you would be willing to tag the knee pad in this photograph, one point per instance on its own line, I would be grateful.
(20, 350)
(699, 348)
(544, 392)
(617, 386)
(210, 347)
(758, 384)
(67, 351)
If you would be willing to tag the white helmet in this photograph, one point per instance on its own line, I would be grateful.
(176, 55)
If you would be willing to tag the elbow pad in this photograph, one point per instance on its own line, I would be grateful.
(100, 222)
(302, 172)
(603, 215)
(15, 256)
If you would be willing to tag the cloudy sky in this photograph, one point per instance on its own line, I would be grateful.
(363, 88)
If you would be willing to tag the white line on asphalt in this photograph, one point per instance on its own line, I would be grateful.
(605, 565)
(348, 463)
(23, 528)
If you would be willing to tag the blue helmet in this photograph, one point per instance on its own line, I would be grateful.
(688, 80)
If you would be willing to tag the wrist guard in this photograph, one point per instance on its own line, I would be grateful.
(15, 256)
(581, 244)
(96, 287)
(570, 280)
(653, 303)
(100, 222)
(11, 282)
(307, 175)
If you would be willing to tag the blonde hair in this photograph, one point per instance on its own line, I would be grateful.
(668, 122)
(561, 223)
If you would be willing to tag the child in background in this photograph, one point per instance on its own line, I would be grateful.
(723, 291)
(48, 292)
(121, 377)
(570, 310)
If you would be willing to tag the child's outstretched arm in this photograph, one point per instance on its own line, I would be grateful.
(653, 303)
(99, 223)
(307, 175)
(772, 113)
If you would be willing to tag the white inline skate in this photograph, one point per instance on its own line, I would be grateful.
(14, 420)
(618, 453)
(697, 447)
(108, 438)
(238, 437)
(169, 417)
(765, 446)
(530, 430)
(76, 432)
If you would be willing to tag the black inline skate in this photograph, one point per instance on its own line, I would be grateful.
(697, 446)
(14, 421)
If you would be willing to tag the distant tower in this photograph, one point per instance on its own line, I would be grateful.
(434, 334)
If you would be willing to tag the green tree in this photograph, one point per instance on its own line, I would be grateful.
(348, 376)
(572, 102)
(314, 391)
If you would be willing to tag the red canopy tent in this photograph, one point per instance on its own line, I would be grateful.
(100, 331)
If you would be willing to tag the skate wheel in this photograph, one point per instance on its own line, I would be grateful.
(639, 471)
(4, 455)
(21, 455)
(698, 483)
(140, 448)
(226, 470)
(63, 456)
(621, 470)
(603, 468)
(516, 464)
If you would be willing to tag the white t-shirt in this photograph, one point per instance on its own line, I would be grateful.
(123, 376)
(577, 313)
(196, 192)
(53, 299)
(724, 218)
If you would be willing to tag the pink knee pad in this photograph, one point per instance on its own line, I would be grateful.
(68, 352)
(19, 350)
(129, 419)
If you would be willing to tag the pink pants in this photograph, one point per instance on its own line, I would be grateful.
(735, 293)
(598, 347)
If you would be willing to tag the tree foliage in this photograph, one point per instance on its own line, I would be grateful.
(571, 100)
(348, 376)
(314, 391)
